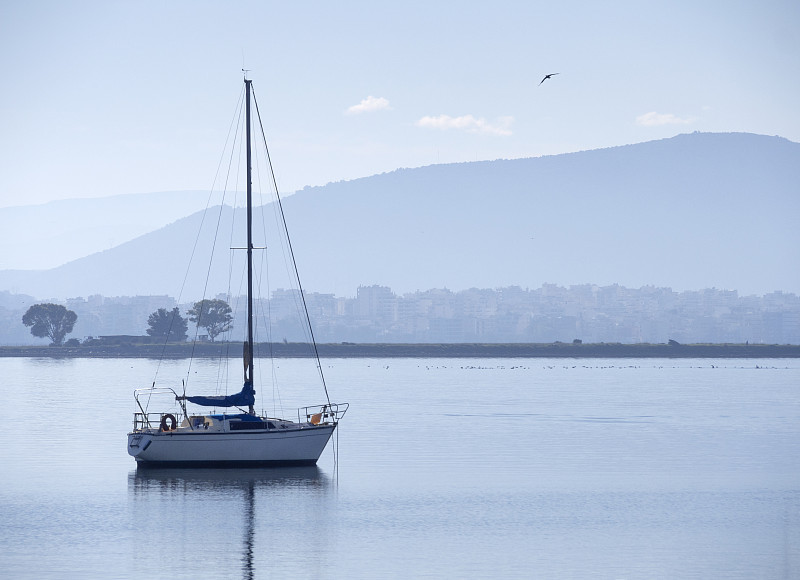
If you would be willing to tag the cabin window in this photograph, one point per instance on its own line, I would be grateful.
(247, 425)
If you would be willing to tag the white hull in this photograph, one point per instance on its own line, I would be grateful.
(301, 446)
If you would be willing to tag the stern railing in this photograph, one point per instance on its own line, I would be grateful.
(143, 419)
(330, 413)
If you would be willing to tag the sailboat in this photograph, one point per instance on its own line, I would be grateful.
(179, 437)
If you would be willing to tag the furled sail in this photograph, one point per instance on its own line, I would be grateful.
(244, 398)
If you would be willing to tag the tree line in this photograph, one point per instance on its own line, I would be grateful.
(55, 321)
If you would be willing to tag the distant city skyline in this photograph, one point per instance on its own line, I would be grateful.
(552, 313)
(108, 98)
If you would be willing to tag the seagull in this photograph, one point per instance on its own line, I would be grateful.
(548, 76)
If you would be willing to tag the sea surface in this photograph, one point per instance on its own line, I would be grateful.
(445, 468)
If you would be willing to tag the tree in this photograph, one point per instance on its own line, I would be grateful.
(166, 324)
(213, 315)
(50, 320)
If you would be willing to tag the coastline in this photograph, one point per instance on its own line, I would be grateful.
(390, 350)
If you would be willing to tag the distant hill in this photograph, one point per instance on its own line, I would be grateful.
(695, 211)
(51, 234)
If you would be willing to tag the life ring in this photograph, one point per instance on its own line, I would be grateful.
(168, 418)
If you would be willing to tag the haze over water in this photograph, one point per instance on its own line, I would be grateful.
(446, 468)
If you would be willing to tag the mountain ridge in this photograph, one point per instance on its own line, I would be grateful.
(692, 211)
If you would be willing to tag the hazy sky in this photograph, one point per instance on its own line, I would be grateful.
(107, 97)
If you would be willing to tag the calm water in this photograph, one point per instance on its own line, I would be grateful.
(446, 468)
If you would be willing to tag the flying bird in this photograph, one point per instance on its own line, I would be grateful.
(548, 76)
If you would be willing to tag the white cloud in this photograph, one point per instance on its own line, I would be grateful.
(653, 119)
(369, 105)
(468, 123)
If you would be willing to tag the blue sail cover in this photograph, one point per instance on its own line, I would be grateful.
(244, 398)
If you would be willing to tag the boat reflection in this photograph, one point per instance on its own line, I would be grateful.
(171, 496)
(199, 480)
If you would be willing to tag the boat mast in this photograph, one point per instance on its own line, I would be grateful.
(248, 355)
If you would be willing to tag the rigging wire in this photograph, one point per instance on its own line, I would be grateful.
(233, 124)
(237, 118)
(277, 402)
(260, 274)
(291, 251)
